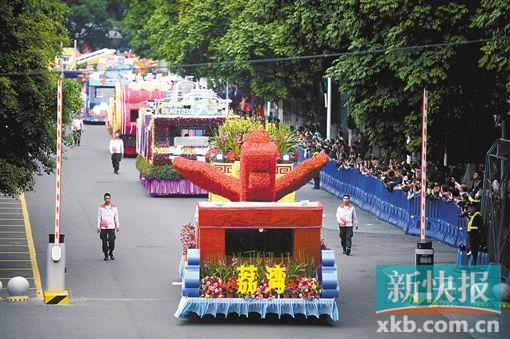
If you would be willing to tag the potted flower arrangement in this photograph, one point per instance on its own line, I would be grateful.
(226, 146)
(228, 139)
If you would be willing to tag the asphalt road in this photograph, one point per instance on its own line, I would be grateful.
(133, 296)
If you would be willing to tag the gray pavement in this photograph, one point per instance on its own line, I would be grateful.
(133, 296)
(14, 245)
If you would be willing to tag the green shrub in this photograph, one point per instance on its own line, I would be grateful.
(150, 171)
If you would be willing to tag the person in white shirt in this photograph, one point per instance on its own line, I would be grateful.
(116, 150)
(107, 224)
(347, 219)
(77, 128)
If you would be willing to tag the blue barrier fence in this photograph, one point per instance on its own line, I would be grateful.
(443, 220)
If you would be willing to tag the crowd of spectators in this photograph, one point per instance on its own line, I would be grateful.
(247, 104)
(442, 182)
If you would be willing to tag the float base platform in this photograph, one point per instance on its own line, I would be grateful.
(289, 306)
(166, 188)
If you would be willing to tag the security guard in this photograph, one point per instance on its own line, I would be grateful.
(474, 230)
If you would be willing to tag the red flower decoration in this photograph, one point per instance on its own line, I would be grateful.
(300, 175)
(232, 156)
(258, 172)
(258, 168)
(205, 175)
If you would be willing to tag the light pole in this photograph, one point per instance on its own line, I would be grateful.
(328, 117)
(226, 96)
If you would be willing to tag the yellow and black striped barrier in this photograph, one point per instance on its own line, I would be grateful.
(56, 297)
(18, 299)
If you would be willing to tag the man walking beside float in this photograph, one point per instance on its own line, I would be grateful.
(107, 225)
(347, 219)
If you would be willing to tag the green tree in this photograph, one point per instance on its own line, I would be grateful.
(208, 30)
(264, 29)
(385, 90)
(92, 21)
(30, 33)
(146, 25)
(493, 19)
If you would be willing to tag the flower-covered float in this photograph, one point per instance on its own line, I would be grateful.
(225, 148)
(124, 109)
(253, 254)
(178, 126)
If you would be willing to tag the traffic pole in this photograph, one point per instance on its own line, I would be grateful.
(56, 252)
(424, 253)
(55, 292)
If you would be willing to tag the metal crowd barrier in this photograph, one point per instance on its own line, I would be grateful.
(443, 220)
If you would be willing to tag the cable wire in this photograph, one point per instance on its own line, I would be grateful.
(278, 59)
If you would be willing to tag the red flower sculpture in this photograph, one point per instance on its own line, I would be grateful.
(258, 167)
(258, 172)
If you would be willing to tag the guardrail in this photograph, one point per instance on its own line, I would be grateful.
(443, 220)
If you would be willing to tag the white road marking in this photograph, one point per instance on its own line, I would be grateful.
(115, 299)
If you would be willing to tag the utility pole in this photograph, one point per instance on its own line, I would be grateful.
(226, 97)
(328, 117)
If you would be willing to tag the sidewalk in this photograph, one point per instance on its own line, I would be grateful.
(17, 252)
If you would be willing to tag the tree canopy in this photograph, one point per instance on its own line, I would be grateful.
(384, 90)
(468, 82)
(92, 21)
(31, 33)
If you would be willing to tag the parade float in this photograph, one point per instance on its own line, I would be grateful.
(179, 125)
(253, 254)
(124, 108)
(99, 91)
(227, 142)
(104, 70)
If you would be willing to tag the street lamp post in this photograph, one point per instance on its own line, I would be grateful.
(226, 97)
(328, 117)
